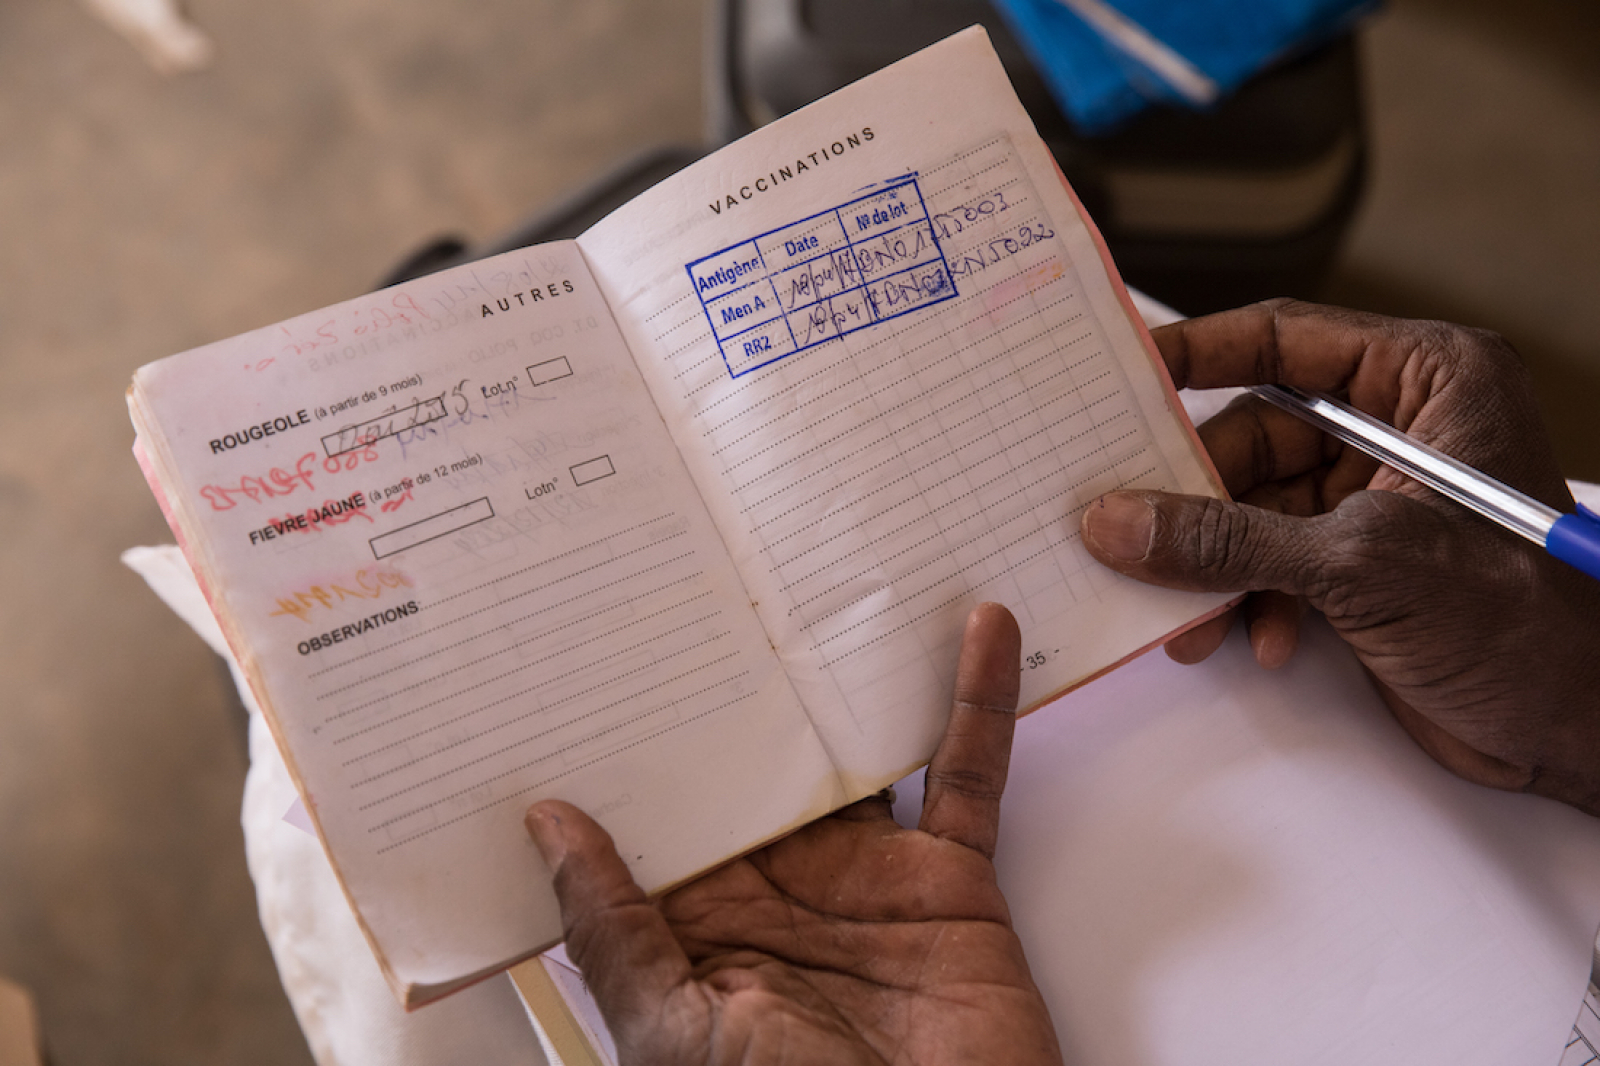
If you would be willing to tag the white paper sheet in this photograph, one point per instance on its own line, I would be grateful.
(1217, 864)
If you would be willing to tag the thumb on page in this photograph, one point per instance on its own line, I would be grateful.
(618, 940)
(1207, 545)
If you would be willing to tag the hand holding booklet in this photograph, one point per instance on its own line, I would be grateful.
(679, 521)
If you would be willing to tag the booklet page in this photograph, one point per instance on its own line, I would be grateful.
(890, 351)
(452, 543)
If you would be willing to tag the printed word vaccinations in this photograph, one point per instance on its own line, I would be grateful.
(782, 174)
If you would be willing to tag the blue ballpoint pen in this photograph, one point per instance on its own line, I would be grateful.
(1572, 538)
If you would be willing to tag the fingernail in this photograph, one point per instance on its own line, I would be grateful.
(1120, 524)
(544, 826)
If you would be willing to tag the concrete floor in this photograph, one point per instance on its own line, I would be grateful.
(144, 215)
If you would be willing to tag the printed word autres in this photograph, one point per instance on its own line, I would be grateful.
(331, 513)
(364, 584)
(530, 297)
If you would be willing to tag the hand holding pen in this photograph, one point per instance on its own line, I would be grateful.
(1486, 648)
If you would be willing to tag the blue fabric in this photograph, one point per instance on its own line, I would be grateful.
(1099, 86)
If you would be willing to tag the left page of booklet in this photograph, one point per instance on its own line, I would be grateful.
(452, 544)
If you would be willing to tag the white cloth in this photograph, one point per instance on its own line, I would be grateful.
(348, 1014)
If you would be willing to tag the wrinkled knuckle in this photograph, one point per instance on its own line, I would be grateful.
(1269, 356)
(1488, 345)
(597, 928)
(1436, 334)
(1448, 352)
(1221, 543)
(986, 707)
(1480, 354)
(1373, 552)
(1341, 586)
(1263, 450)
(970, 784)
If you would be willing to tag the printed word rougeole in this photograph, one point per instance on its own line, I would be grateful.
(260, 431)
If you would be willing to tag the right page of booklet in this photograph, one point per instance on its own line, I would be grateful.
(888, 346)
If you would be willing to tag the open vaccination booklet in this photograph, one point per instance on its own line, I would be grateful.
(679, 521)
